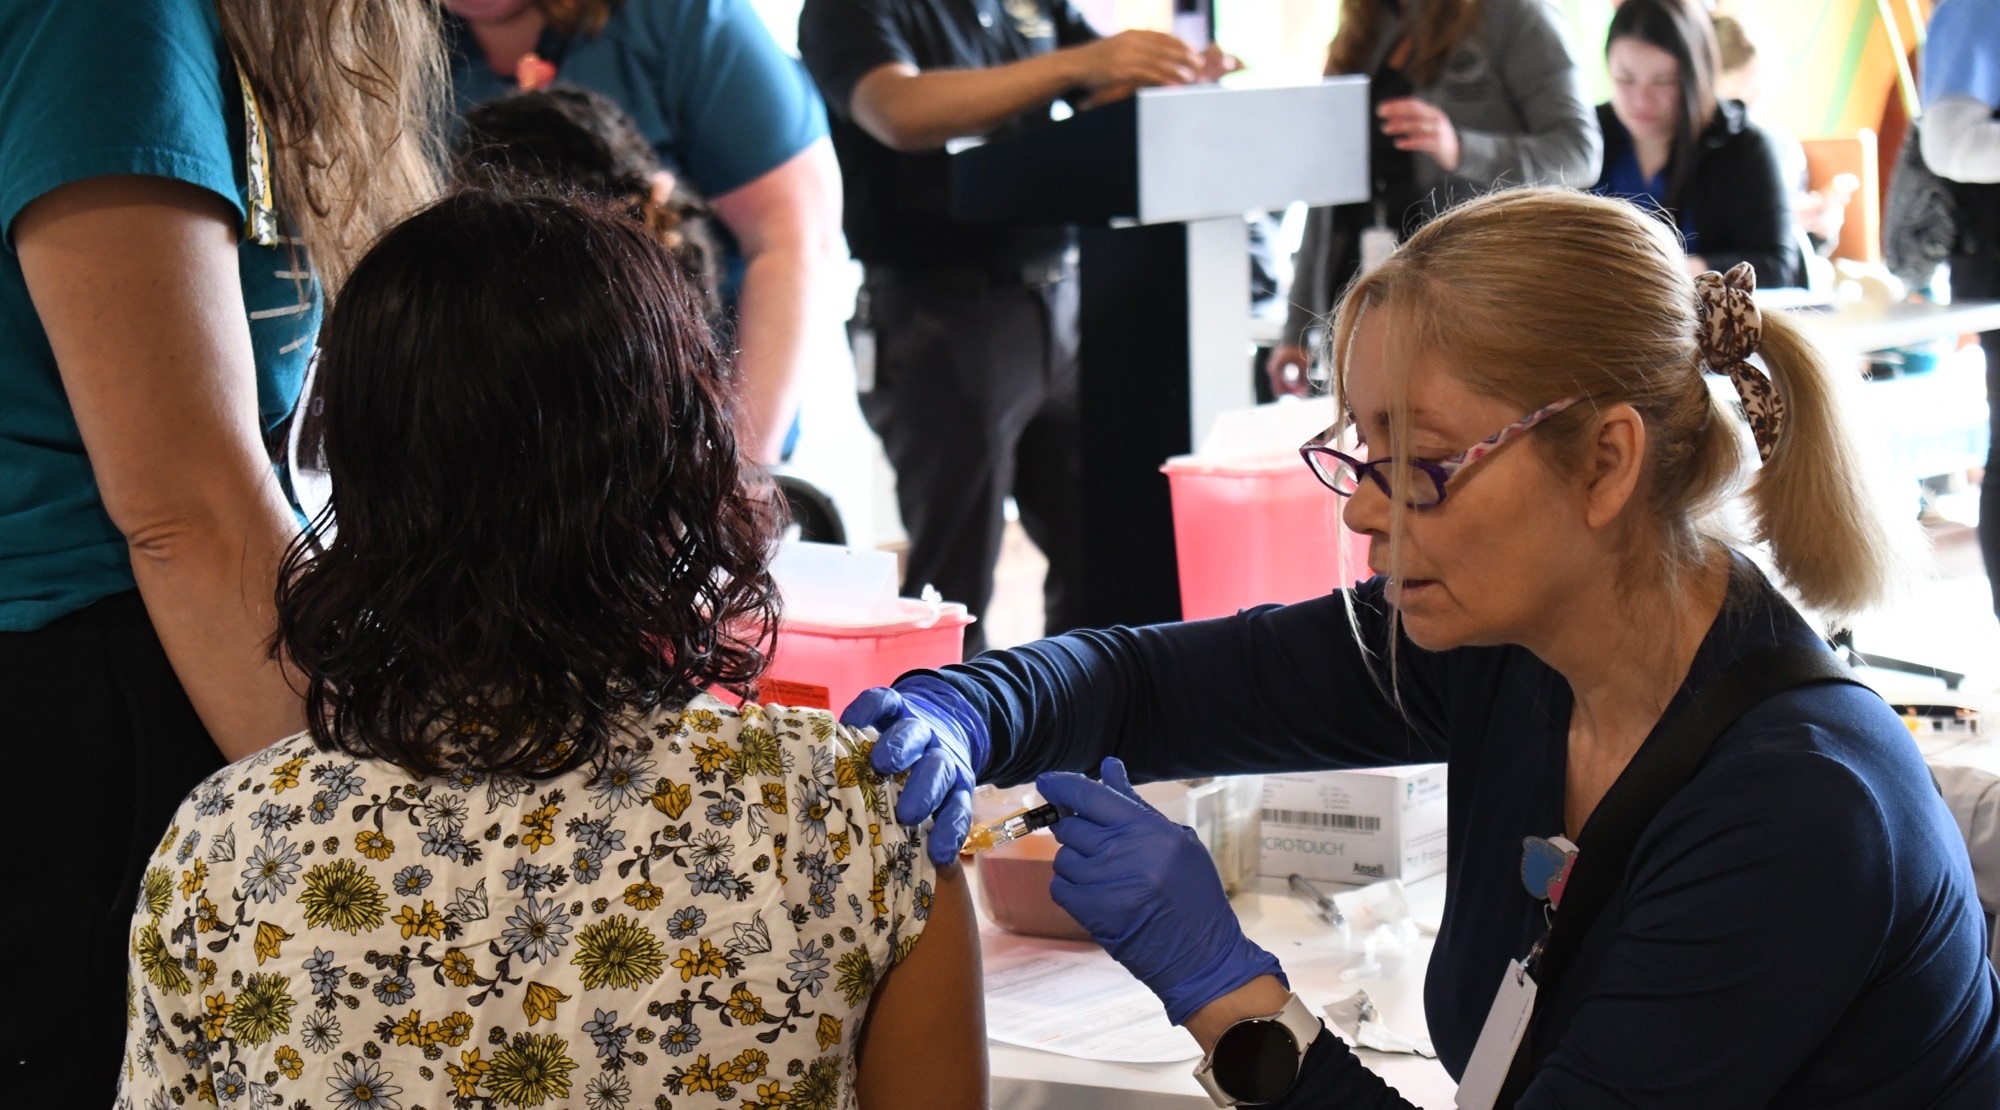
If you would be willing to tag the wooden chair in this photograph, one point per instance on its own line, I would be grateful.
(1861, 231)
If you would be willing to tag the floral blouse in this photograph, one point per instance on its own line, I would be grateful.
(699, 922)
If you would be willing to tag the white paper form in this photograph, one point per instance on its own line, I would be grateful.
(1072, 999)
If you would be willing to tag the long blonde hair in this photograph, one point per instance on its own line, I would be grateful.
(354, 93)
(1438, 30)
(1533, 295)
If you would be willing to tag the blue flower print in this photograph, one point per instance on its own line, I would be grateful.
(925, 897)
(808, 968)
(322, 808)
(537, 929)
(412, 880)
(686, 922)
(267, 874)
(362, 1085)
(901, 862)
(395, 989)
(820, 898)
(271, 818)
(597, 835)
(450, 845)
(608, 1036)
(586, 866)
(814, 805)
(340, 780)
(625, 779)
(718, 880)
(725, 812)
(189, 844)
(210, 801)
(532, 878)
(326, 974)
(680, 1039)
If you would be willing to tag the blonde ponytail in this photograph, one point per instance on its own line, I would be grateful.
(1810, 501)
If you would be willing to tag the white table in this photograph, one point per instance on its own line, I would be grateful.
(1027, 1079)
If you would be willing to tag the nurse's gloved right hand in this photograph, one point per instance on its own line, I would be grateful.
(927, 728)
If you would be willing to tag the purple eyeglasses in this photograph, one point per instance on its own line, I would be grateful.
(1342, 473)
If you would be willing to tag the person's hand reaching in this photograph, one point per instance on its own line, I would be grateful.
(1420, 126)
(926, 728)
(1148, 891)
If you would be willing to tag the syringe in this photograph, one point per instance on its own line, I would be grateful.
(1012, 827)
(1327, 909)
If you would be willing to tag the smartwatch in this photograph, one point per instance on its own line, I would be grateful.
(1258, 1059)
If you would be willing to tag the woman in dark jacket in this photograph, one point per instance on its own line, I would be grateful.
(1671, 144)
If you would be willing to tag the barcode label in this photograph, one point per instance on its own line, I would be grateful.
(1347, 822)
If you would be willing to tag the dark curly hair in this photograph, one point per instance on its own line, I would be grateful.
(579, 140)
(543, 525)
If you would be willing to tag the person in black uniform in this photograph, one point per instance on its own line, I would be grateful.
(965, 336)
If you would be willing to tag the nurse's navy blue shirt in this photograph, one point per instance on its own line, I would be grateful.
(1798, 926)
(96, 88)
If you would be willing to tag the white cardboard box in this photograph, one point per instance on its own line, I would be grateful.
(1355, 826)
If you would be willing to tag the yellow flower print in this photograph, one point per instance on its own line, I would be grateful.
(373, 844)
(290, 1063)
(701, 720)
(286, 775)
(531, 1070)
(458, 967)
(192, 878)
(409, 1029)
(841, 845)
(205, 967)
(745, 1007)
(857, 975)
(619, 953)
(698, 1078)
(712, 756)
(540, 823)
(643, 896)
(205, 1091)
(774, 796)
(539, 1002)
(427, 922)
(849, 770)
(878, 896)
(874, 835)
(215, 1016)
(468, 1073)
(206, 918)
(269, 938)
(262, 1010)
(166, 842)
(709, 962)
(156, 890)
(671, 798)
(749, 1066)
(455, 1028)
(828, 1032)
(341, 896)
(758, 753)
(160, 966)
(770, 1095)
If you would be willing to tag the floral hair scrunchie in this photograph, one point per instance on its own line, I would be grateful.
(1728, 330)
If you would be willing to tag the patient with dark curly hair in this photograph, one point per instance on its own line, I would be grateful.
(523, 856)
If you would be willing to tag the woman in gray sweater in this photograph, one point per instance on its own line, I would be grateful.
(1471, 95)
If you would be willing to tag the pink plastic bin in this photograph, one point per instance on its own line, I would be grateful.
(1251, 532)
(822, 666)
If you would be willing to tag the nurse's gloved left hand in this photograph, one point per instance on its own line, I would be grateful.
(927, 728)
(1148, 891)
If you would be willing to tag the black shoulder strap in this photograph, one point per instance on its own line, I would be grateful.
(1661, 767)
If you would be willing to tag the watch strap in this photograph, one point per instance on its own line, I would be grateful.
(1297, 1017)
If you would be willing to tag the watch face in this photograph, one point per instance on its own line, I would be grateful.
(1255, 1061)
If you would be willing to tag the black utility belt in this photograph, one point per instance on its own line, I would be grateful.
(1036, 274)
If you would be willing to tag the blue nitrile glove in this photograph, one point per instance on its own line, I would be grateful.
(930, 730)
(1148, 891)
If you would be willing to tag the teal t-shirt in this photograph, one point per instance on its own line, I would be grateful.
(96, 88)
(717, 98)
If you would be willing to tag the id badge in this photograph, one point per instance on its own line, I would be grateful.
(1499, 1039)
(1377, 243)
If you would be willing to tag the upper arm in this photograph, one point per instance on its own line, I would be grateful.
(795, 205)
(1961, 55)
(929, 1008)
(136, 283)
(743, 107)
(845, 41)
(1752, 923)
(1560, 142)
